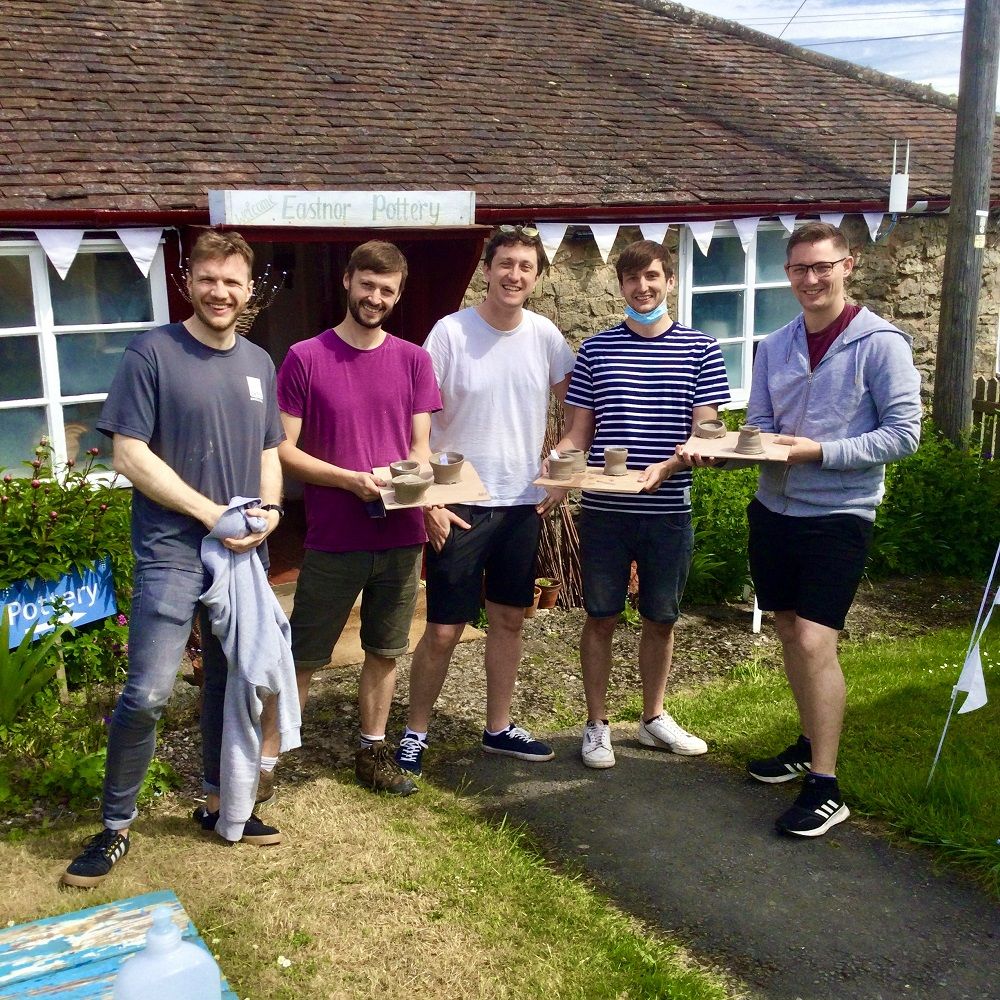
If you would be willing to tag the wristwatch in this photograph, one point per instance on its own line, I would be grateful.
(274, 506)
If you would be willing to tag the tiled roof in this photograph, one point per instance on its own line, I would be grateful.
(148, 104)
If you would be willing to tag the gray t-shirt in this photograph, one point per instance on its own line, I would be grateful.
(207, 413)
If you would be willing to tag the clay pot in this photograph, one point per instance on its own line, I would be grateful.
(561, 468)
(404, 467)
(579, 458)
(749, 441)
(450, 470)
(409, 488)
(529, 612)
(614, 461)
(710, 429)
(549, 591)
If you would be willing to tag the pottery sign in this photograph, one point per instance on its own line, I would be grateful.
(86, 596)
(347, 209)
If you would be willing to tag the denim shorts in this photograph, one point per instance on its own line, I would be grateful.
(809, 565)
(328, 586)
(659, 544)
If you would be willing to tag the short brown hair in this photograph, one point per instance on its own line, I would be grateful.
(816, 232)
(512, 239)
(639, 255)
(381, 258)
(213, 245)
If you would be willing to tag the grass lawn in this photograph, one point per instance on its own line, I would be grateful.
(897, 701)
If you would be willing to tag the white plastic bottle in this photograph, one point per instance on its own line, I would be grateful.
(168, 968)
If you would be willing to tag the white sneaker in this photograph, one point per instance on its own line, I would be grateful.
(664, 734)
(596, 750)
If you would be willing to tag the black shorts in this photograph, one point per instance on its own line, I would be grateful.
(809, 565)
(502, 543)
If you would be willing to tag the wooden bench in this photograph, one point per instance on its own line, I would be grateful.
(77, 955)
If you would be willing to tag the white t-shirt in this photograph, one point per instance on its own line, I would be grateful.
(495, 388)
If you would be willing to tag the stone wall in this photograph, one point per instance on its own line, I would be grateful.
(899, 278)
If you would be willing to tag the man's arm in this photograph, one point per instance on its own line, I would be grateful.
(420, 438)
(270, 493)
(653, 476)
(309, 469)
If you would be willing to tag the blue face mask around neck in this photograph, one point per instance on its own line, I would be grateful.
(647, 319)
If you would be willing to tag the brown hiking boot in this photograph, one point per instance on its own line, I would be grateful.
(375, 768)
(265, 788)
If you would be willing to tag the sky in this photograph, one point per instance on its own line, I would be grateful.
(918, 40)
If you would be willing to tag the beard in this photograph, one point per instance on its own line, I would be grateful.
(369, 323)
(214, 322)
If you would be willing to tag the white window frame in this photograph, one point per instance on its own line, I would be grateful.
(749, 287)
(48, 334)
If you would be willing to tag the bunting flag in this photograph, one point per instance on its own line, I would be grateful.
(788, 221)
(833, 218)
(61, 246)
(142, 245)
(605, 234)
(874, 220)
(655, 231)
(702, 233)
(551, 235)
(972, 681)
(746, 229)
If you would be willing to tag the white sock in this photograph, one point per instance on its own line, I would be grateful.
(268, 764)
(367, 741)
(422, 737)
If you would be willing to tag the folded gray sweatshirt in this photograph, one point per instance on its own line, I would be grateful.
(256, 638)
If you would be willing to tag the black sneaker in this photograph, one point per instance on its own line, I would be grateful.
(790, 764)
(818, 807)
(255, 831)
(410, 755)
(93, 865)
(517, 742)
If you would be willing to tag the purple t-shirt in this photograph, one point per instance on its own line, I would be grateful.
(357, 411)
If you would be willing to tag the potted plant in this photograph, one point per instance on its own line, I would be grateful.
(549, 587)
(529, 612)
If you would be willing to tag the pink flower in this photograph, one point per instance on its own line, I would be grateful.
(35, 483)
(53, 515)
(122, 620)
(93, 451)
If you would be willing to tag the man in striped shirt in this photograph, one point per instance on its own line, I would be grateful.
(640, 385)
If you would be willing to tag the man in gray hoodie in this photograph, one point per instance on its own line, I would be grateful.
(838, 383)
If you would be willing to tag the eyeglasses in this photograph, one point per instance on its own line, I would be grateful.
(528, 232)
(821, 268)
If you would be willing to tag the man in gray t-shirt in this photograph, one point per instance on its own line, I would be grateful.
(194, 420)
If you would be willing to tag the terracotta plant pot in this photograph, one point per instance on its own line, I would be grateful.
(561, 468)
(409, 489)
(579, 458)
(529, 612)
(404, 467)
(447, 467)
(614, 461)
(549, 590)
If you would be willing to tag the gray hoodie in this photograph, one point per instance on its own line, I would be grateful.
(862, 404)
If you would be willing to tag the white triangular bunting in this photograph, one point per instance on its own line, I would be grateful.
(702, 233)
(551, 234)
(60, 247)
(141, 244)
(746, 229)
(655, 231)
(833, 218)
(788, 221)
(874, 220)
(972, 680)
(605, 234)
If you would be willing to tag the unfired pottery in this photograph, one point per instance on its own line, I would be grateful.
(450, 471)
(710, 429)
(409, 488)
(562, 467)
(404, 467)
(614, 461)
(749, 442)
(579, 458)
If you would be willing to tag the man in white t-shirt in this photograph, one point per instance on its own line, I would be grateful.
(495, 364)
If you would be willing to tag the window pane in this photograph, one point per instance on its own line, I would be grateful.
(719, 314)
(771, 254)
(724, 265)
(88, 361)
(20, 432)
(17, 307)
(100, 288)
(20, 368)
(80, 421)
(773, 308)
(732, 354)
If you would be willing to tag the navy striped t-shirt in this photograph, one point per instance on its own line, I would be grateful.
(642, 391)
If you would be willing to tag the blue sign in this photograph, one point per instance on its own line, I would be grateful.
(88, 597)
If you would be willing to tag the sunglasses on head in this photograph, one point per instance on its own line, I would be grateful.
(528, 232)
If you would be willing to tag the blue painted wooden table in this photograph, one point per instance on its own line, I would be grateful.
(77, 955)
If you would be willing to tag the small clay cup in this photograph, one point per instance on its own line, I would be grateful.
(409, 488)
(711, 429)
(614, 461)
(749, 442)
(579, 458)
(404, 467)
(561, 468)
(449, 472)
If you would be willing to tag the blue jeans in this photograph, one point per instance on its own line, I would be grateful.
(164, 603)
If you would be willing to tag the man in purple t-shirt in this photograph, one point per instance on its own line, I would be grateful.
(354, 399)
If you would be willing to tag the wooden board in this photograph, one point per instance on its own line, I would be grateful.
(725, 447)
(468, 489)
(76, 956)
(595, 481)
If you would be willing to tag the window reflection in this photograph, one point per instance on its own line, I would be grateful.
(719, 314)
(80, 420)
(17, 307)
(100, 288)
(20, 368)
(20, 432)
(88, 361)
